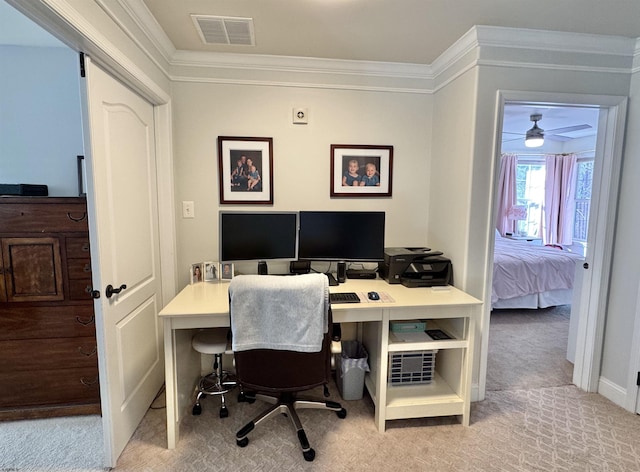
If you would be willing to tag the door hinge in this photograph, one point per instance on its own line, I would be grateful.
(82, 71)
(638, 380)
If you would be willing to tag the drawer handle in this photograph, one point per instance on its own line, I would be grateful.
(89, 382)
(88, 354)
(84, 215)
(85, 323)
(85, 247)
(87, 268)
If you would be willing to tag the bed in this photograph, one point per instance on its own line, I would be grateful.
(530, 276)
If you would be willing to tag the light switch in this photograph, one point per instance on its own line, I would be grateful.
(188, 210)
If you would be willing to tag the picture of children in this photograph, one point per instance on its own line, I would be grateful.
(371, 177)
(351, 178)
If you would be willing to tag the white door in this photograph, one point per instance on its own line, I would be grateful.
(122, 199)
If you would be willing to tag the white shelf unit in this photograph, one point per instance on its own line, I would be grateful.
(448, 393)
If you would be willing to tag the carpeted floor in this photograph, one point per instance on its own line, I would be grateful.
(531, 420)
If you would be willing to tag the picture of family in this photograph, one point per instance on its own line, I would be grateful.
(245, 170)
(360, 171)
(245, 176)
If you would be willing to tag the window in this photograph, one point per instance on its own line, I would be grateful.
(584, 180)
(530, 174)
(530, 193)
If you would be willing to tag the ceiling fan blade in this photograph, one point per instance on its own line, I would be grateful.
(557, 138)
(568, 129)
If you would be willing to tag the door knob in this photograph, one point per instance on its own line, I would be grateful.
(109, 291)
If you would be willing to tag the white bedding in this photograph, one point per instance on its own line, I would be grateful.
(529, 273)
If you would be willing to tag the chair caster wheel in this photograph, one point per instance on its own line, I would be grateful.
(242, 397)
(224, 412)
(197, 409)
(342, 414)
(242, 442)
(309, 455)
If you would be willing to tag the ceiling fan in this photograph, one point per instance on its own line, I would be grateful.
(555, 134)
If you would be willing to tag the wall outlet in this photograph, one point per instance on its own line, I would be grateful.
(188, 210)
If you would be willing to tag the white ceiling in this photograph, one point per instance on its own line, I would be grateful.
(411, 31)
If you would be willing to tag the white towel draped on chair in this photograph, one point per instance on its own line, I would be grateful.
(282, 313)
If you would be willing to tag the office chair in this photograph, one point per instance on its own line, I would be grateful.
(218, 382)
(282, 333)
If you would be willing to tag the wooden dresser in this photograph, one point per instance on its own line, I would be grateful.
(48, 351)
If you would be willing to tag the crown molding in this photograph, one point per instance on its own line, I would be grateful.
(558, 41)
(141, 15)
(481, 45)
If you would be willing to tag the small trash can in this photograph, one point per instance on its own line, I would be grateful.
(352, 365)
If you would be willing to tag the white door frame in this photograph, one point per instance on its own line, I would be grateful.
(586, 372)
(61, 20)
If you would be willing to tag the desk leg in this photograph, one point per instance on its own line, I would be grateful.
(170, 376)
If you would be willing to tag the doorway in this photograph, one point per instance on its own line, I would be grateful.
(589, 301)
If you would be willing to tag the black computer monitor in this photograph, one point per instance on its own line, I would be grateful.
(352, 236)
(258, 236)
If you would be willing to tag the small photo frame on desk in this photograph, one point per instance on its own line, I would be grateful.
(211, 271)
(226, 271)
(196, 273)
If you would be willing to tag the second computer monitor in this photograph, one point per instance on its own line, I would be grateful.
(353, 236)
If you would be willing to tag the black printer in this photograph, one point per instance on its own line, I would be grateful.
(415, 267)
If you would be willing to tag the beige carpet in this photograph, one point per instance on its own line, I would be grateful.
(553, 427)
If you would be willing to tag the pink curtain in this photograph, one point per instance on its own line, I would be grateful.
(559, 198)
(506, 193)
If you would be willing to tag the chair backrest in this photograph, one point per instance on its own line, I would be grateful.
(272, 304)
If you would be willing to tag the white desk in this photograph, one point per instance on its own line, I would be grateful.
(206, 305)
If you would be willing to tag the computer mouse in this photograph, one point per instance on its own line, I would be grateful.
(373, 296)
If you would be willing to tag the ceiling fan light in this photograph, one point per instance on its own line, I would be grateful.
(535, 137)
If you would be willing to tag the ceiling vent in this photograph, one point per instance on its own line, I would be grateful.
(225, 30)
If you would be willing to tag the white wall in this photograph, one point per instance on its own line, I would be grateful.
(40, 127)
(625, 272)
(301, 153)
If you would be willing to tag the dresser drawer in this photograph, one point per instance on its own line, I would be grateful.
(61, 321)
(50, 354)
(78, 248)
(49, 387)
(80, 289)
(45, 216)
(79, 268)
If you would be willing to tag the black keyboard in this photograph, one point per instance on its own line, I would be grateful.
(344, 297)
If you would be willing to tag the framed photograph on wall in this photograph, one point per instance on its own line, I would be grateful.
(245, 168)
(361, 170)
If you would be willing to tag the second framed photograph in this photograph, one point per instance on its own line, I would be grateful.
(361, 170)
(245, 168)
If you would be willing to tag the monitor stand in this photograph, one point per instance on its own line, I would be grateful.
(262, 268)
(332, 280)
